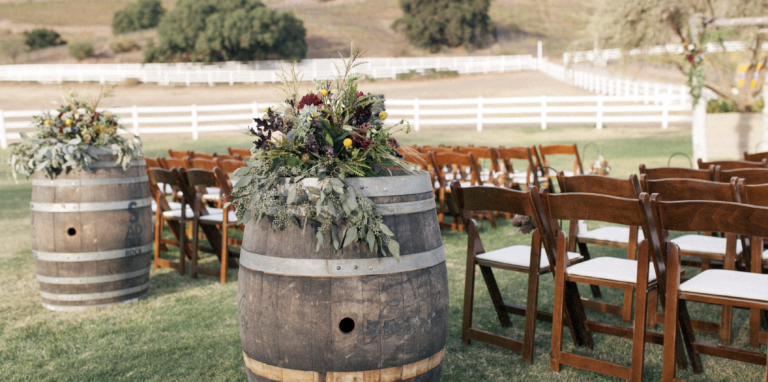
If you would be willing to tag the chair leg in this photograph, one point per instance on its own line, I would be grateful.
(725, 324)
(224, 252)
(653, 308)
(754, 328)
(469, 296)
(557, 319)
(493, 290)
(195, 239)
(158, 229)
(585, 253)
(626, 311)
(532, 305)
(670, 336)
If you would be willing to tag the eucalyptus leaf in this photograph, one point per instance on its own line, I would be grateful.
(334, 237)
(291, 195)
(371, 238)
(319, 236)
(394, 249)
(385, 229)
(351, 236)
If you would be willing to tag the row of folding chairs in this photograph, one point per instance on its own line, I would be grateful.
(679, 200)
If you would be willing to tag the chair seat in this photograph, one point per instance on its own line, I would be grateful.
(609, 268)
(173, 205)
(211, 197)
(765, 255)
(718, 282)
(218, 218)
(175, 214)
(519, 255)
(618, 235)
(704, 244)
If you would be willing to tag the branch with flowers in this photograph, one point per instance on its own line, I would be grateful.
(305, 151)
(61, 140)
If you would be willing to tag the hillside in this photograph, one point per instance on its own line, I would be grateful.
(331, 26)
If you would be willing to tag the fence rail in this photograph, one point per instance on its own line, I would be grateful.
(615, 54)
(541, 111)
(258, 71)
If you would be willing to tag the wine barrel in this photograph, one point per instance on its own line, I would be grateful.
(348, 315)
(92, 234)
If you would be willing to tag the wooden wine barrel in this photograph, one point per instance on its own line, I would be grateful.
(92, 235)
(348, 315)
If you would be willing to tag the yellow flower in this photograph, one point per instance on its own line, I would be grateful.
(315, 114)
(266, 109)
(68, 121)
(47, 122)
(347, 142)
(324, 92)
(383, 115)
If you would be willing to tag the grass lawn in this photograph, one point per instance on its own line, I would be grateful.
(187, 329)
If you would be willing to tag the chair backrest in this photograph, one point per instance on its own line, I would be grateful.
(441, 160)
(153, 163)
(178, 154)
(200, 163)
(562, 150)
(229, 166)
(436, 149)
(159, 175)
(413, 156)
(733, 164)
(169, 163)
(756, 157)
(224, 184)
(679, 172)
(756, 194)
(507, 154)
(192, 183)
(751, 175)
(690, 189)
(599, 184)
(242, 152)
(193, 154)
(225, 156)
(480, 198)
(481, 153)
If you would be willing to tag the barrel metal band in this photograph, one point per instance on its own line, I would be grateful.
(399, 373)
(89, 182)
(380, 186)
(90, 207)
(92, 279)
(92, 256)
(341, 268)
(110, 164)
(73, 308)
(389, 209)
(93, 296)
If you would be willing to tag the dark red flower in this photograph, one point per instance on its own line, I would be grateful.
(360, 141)
(310, 99)
(690, 58)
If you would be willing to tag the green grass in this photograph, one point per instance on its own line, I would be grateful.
(187, 329)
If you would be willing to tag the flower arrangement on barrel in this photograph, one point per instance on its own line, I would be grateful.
(62, 140)
(306, 150)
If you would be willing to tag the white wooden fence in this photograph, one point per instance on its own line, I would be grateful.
(604, 55)
(258, 71)
(477, 112)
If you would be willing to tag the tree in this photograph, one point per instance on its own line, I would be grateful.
(226, 30)
(643, 23)
(144, 14)
(434, 24)
(42, 38)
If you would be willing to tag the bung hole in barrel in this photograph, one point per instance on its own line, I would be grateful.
(71, 231)
(347, 325)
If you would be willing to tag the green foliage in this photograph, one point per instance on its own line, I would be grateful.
(81, 50)
(434, 24)
(42, 38)
(227, 30)
(141, 15)
(124, 45)
(64, 140)
(728, 106)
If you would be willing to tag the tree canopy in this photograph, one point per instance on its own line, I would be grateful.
(227, 30)
(42, 38)
(434, 24)
(142, 15)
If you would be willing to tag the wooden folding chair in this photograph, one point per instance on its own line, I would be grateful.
(178, 154)
(551, 150)
(756, 157)
(229, 165)
(225, 156)
(732, 164)
(211, 221)
(173, 162)
(436, 149)
(209, 194)
(703, 247)
(193, 154)
(752, 176)
(519, 258)
(630, 275)
(242, 152)
(620, 237)
(442, 163)
(483, 155)
(516, 179)
(679, 173)
(175, 218)
(714, 286)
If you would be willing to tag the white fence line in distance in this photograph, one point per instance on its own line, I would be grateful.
(478, 112)
(603, 55)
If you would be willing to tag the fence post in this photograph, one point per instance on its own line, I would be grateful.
(543, 112)
(194, 122)
(656, 93)
(210, 79)
(135, 118)
(3, 137)
(231, 78)
(599, 122)
(647, 93)
(479, 113)
(416, 114)
(665, 111)
(255, 110)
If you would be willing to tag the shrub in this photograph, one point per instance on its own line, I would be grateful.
(124, 45)
(727, 106)
(226, 30)
(141, 15)
(434, 24)
(42, 38)
(81, 50)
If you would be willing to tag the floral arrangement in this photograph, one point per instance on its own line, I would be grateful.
(305, 151)
(695, 54)
(61, 140)
(600, 167)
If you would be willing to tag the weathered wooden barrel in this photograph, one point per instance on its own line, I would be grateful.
(349, 315)
(92, 235)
